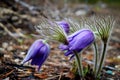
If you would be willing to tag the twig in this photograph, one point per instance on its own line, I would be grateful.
(14, 35)
(18, 66)
(52, 77)
(60, 76)
(7, 74)
(9, 33)
(104, 67)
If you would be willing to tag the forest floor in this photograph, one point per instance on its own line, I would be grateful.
(57, 66)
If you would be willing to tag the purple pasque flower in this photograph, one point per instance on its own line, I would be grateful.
(77, 42)
(64, 25)
(37, 53)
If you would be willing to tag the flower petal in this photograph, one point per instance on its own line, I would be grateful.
(33, 50)
(67, 53)
(64, 25)
(63, 47)
(38, 53)
(82, 40)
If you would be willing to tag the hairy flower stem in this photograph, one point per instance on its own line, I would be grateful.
(79, 63)
(95, 58)
(102, 59)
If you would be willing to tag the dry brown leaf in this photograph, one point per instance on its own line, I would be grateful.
(42, 75)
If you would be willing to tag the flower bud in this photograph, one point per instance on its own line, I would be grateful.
(37, 53)
(64, 25)
(78, 41)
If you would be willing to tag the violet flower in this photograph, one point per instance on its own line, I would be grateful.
(77, 42)
(38, 53)
(64, 25)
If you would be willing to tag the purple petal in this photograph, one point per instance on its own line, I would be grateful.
(70, 38)
(82, 40)
(63, 47)
(77, 42)
(38, 53)
(68, 53)
(33, 50)
(71, 57)
(41, 56)
(64, 25)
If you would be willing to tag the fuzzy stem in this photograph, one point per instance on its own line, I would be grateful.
(102, 58)
(79, 63)
(95, 58)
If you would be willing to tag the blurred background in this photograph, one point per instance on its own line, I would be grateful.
(18, 19)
